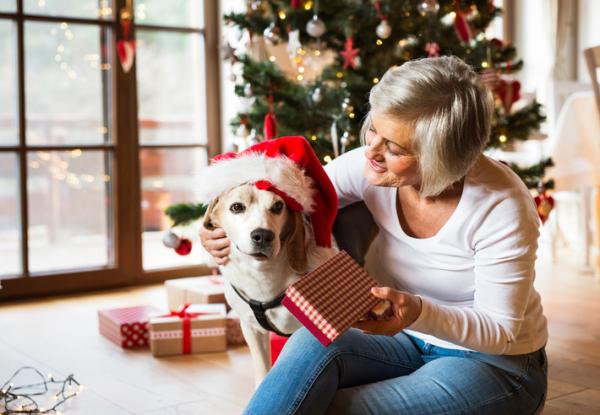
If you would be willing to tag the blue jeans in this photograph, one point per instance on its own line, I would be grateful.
(370, 374)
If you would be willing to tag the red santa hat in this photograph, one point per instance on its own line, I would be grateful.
(286, 166)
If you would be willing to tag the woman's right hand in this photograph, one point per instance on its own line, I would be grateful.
(216, 243)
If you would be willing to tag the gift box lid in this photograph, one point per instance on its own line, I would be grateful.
(205, 311)
(134, 314)
(210, 284)
(328, 300)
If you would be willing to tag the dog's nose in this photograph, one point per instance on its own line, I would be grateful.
(262, 237)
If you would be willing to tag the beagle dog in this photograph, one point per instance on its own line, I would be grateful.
(272, 246)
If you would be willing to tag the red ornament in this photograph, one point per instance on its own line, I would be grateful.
(184, 247)
(497, 43)
(463, 31)
(126, 53)
(545, 204)
(349, 54)
(377, 6)
(295, 4)
(509, 92)
(432, 49)
(270, 123)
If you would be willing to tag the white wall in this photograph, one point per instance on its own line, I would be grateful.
(588, 33)
(229, 101)
(532, 38)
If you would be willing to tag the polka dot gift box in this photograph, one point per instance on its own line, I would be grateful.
(128, 326)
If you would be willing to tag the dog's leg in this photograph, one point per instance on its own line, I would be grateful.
(260, 350)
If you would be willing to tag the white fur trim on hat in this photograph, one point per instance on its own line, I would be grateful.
(282, 172)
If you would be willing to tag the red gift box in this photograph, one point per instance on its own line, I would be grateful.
(277, 343)
(328, 300)
(128, 326)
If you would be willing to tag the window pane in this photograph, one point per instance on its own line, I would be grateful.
(171, 88)
(9, 132)
(67, 75)
(10, 216)
(70, 210)
(90, 9)
(8, 6)
(180, 13)
(168, 177)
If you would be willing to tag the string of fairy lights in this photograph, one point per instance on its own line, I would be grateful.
(27, 399)
(58, 168)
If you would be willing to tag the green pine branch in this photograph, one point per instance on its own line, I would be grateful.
(184, 213)
(533, 176)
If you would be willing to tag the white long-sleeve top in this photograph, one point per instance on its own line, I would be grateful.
(475, 276)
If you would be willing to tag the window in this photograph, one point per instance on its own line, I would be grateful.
(90, 155)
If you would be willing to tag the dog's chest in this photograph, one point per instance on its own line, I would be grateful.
(279, 316)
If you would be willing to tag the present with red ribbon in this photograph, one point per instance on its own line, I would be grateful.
(127, 326)
(195, 328)
(196, 290)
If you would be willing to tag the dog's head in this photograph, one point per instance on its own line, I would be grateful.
(259, 225)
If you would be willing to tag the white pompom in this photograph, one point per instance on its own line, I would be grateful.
(170, 240)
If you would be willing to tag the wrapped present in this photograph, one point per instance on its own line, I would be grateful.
(328, 300)
(127, 327)
(196, 290)
(235, 336)
(277, 342)
(194, 328)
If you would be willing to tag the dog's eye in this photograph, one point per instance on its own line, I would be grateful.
(277, 207)
(237, 207)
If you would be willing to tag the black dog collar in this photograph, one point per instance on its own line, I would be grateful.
(259, 310)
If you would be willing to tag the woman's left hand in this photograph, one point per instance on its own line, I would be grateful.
(406, 309)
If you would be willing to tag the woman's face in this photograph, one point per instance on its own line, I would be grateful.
(391, 161)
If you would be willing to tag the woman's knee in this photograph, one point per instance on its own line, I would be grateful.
(300, 343)
(304, 342)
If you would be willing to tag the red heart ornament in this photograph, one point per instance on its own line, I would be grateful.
(545, 204)
(509, 92)
(126, 53)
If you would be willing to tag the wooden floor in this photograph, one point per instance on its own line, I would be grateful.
(60, 336)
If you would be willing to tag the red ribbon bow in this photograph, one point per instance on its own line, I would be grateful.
(186, 326)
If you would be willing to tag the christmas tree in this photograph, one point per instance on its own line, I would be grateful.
(366, 38)
(336, 50)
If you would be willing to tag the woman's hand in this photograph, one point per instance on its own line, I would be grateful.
(216, 243)
(406, 309)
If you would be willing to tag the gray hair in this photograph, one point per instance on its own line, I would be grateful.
(450, 110)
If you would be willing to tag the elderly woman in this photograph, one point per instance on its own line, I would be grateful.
(456, 247)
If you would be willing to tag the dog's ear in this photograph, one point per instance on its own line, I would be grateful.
(295, 245)
(210, 215)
